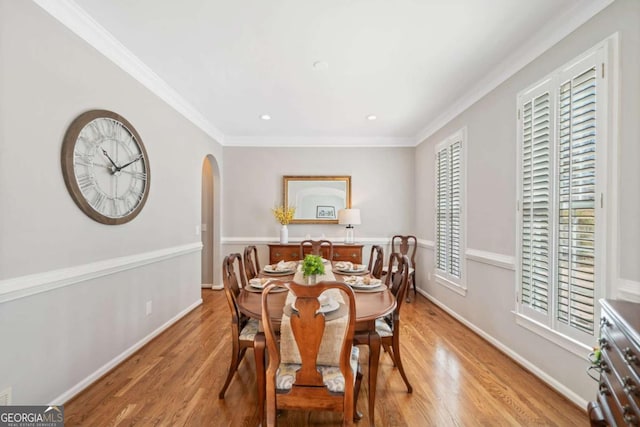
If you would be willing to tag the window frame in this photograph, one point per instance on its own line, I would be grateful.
(604, 55)
(458, 285)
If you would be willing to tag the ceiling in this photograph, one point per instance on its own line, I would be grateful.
(413, 64)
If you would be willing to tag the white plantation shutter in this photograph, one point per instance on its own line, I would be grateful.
(561, 183)
(442, 172)
(455, 197)
(536, 201)
(449, 196)
(577, 198)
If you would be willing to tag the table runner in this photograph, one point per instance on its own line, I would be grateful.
(329, 353)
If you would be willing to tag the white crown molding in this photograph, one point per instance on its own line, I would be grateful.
(324, 142)
(548, 36)
(24, 286)
(552, 382)
(86, 382)
(72, 16)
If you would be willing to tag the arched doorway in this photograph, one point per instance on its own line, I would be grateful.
(210, 224)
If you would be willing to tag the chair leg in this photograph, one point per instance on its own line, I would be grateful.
(413, 282)
(236, 357)
(387, 348)
(357, 415)
(398, 360)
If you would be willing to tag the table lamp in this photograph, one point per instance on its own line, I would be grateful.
(349, 217)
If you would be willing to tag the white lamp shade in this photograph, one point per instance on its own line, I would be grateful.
(349, 216)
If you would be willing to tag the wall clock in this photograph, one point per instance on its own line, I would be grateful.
(105, 167)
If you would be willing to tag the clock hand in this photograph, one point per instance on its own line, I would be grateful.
(132, 161)
(112, 162)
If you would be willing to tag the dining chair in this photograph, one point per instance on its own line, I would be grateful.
(305, 383)
(376, 261)
(316, 248)
(243, 328)
(388, 327)
(405, 245)
(251, 262)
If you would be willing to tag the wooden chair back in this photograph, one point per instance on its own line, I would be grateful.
(398, 281)
(233, 279)
(406, 245)
(251, 262)
(308, 391)
(376, 261)
(317, 248)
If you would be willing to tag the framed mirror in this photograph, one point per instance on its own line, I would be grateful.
(317, 199)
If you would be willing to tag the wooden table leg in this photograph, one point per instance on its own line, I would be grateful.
(258, 352)
(374, 358)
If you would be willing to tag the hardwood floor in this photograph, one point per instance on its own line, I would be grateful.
(458, 380)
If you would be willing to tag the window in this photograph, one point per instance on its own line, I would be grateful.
(449, 212)
(562, 182)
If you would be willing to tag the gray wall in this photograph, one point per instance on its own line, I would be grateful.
(382, 187)
(491, 201)
(53, 341)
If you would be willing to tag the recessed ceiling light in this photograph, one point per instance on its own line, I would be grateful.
(371, 117)
(265, 117)
(320, 65)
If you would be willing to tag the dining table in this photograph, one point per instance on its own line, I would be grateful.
(370, 305)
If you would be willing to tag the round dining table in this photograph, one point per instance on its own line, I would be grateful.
(369, 307)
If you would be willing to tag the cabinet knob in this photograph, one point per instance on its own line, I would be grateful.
(336, 255)
(629, 386)
(354, 255)
(604, 366)
(629, 416)
(603, 343)
(630, 356)
(277, 253)
(295, 255)
(603, 389)
(604, 323)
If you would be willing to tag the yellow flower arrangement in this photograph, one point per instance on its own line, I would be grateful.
(284, 214)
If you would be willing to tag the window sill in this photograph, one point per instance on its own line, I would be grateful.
(563, 341)
(455, 287)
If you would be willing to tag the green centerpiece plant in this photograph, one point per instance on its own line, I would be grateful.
(311, 267)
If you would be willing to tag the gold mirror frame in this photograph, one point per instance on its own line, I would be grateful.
(317, 199)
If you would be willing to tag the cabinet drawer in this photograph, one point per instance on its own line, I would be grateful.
(347, 254)
(616, 341)
(283, 253)
(291, 252)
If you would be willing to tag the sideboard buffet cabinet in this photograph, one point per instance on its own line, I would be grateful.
(291, 252)
(618, 401)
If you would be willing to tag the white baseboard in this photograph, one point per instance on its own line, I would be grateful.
(552, 382)
(69, 394)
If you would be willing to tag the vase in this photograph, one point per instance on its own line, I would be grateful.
(311, 279)
(284, 234)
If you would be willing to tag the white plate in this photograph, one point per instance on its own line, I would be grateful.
(360, 285)
(268, 270)
(325, 307)
(259, 284)
(358, 270)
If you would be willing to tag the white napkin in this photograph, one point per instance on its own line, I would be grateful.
(344, 265)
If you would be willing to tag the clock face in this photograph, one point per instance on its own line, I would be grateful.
(105, 167)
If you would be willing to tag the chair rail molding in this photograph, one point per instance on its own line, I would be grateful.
(507, 262)
(24, 286)
(628, 290)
